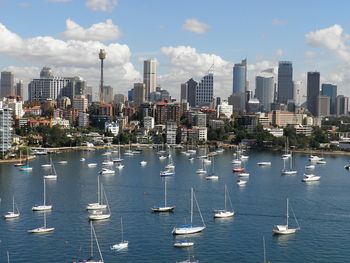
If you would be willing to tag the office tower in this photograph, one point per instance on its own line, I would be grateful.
(342, 105)
(102, 56)
(80, 103)
(330, 90)
(149, 76)
(7, 82)
(183, 95)
(285, 82)
(5, 130)
(19, 89)
(88, 94)
(313, 90)
(107, 94)
(323, 105)
(139, 94)
(264, 89)
(47, 86)
(204, 91)
(75, 87)
(239, 87)
(119, 99)
(191, 92)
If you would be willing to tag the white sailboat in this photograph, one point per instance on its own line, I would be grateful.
(212, 175)
(170, 164)
(43, 229)
(91, 165)
(99, 205)
(124, 243)
(47, 165)
(165, 208)
(290, 171)
(43, 207)
(224, 213)
(20, 160)
(26, 166)
(99, 214)
(285, 229)
(118, 159)
(108, 161)
(106, 171)
(201, 170)
(286, 155)
(14, 213)
(52, 174)
(91, 258)
(189, 228)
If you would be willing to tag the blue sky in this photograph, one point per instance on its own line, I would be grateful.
(313, 34)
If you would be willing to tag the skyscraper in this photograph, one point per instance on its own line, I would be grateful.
(204, 90)
(7, 84)
(150, 76)
(191, 92)
(330, 90)
(5, 129)
(139, 94)
(313, 91)
(264, 89)
(323, 105)
(285, 82)
(107, 94)
(239, 87)
(19, 89)
(183, 95)
(342, 105)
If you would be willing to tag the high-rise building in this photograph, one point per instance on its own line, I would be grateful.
(119, 99)
(75, 87)
(184, 92)
(150, 76)
(285, 82)
(323, 105)
(5, 129)
(47, 86)
(313, 90)
(80, 103)
(240, 84)
(88, 94)
(107, 94)
(191, 92)
(224, 110)
(330, 90)
(204, 91)
(264, 90)
(139, 94)
(342, 105)
(19, 89)
(7, 82)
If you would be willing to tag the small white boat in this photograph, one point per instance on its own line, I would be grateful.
(264, 163)
(166, 207)
(43, 207)
(46, 165)
(14, 213)
(220, 150)
(128, 153)
(322, 161)
(290, 171)
(191, 159)
(170, 164)
(42, 230)
(108, 163)
(244, 157)
(99, 205)
(124, 243)
(242, 182)
(310, 167)
(311, 178)
(314, 158)
(90, 165)
(189, 228)
(143, 163)
(107, 171)
(206, 161)
(26, 167)
(162, 157)
(243, 174)
(224, 213)
(201, 170)
(167, 172)
(82, 159)
(285, 229)
(347, 166)
(119, 166)
(236, 161)
(62, 162)
(183, 243)
(52, 175)
(212, 177)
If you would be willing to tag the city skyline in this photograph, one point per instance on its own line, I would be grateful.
(185, 44)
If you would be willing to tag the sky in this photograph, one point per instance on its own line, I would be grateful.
(186, 37)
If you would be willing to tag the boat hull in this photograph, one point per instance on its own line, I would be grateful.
(50, 176)
(183, 244)
(95, 206)
(288, 231)
(187, 230)
(41, 230)
(224, 214)
(42, 207)
(120, 246)
(99, 217)
(11, 215)
(162, 209)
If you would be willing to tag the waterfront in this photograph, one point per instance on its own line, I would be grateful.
(322, 209)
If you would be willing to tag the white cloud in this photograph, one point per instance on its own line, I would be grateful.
(100, 32)
(279, 22)
(279, 52)
(101, 5)
(333, 39)
(310, 54)
(193, 25)
(73, 57)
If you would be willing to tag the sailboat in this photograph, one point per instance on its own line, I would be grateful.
(183, 243)
(201, 170)
(286, 155)
(118, 159)
(224, 213)
(189, 228)
(264, 249)
(99, 205)
(99, 214)
(43, 229)
(47, 165)
(212, 175)
(43, 207)
(26, 166)
(289, 171)
(14, 213)
(284, 229)
(164, 208)
(8, 257)
(124, 243)
(107, 161)
(129, 152)
(53, 174)
(20, 160)
(91, 258)
(170, 164)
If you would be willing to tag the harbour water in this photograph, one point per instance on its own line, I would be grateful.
(322, 209)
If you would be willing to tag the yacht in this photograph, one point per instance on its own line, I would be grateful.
(264, 163)
(107, 171)
(285, 229)
(241, 182)
(183, 243)
(311, 178)
(44, 206)
(224, 213)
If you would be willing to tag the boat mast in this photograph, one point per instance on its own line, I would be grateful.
(291, 162)
(98, 189)
(44, 219)
(121, 225)
(8, 257)
(191, 205)
(287, 212)
(199, 210)
(44, 193)
(98, 246)
(225, 196)
(264, 249)
(13, 204)
(165, 201)
(91, 242)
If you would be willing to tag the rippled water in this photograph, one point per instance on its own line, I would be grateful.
(322, 209)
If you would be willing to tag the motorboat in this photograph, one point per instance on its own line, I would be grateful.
(183, 243)
(82, 159)
(107, 171)
(238, 169)
(143, 163)
(119, 166)
(243, 174)
(311, 178)
(242, 182)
